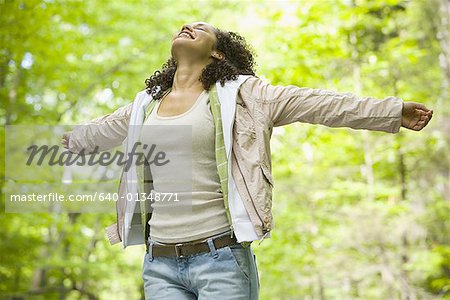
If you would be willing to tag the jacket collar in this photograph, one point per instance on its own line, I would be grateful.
(227, 98)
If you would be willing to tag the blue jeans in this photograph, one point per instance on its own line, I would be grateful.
(226, 273)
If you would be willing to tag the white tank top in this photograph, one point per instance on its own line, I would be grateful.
(199, 212)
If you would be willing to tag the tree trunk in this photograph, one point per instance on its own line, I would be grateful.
(443, 36)
(367, 168)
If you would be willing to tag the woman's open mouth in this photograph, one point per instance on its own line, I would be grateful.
(186, 34)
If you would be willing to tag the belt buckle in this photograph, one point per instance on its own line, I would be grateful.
(178, 250)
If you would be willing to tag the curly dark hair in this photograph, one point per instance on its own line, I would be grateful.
(239, 60)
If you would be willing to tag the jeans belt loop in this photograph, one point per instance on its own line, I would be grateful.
(150, 248)
(178, 250)
(212, 248)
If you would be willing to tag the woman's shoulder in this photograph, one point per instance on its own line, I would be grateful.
(253, 87)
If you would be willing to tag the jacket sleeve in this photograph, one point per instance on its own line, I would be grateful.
(287, 104)
(105, 132)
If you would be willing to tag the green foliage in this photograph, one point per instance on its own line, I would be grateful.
(358, 215)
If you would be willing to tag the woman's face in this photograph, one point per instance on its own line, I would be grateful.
(194, 41)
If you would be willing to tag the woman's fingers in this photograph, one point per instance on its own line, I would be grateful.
(421, 106)
(422, 122)
(415, 115)
(65, 140)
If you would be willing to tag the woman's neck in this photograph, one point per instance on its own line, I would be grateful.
(187, 78)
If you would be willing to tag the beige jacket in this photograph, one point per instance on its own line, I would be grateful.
(259, 107)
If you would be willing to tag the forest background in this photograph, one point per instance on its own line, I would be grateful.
(358, 214)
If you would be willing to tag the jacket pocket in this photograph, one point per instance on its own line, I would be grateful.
(245, 131)
(267, 174)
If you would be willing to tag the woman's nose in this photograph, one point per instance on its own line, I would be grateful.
(186, 26)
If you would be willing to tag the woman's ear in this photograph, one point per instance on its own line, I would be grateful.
(218, 55)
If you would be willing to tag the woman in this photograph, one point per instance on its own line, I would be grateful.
(209, 83)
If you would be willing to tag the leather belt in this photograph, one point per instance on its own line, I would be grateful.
(189, 248)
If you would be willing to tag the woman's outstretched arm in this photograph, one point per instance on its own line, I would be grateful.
(103, 133)
(283, 105)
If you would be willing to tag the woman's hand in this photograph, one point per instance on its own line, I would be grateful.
(415, 116)
(65, 139)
